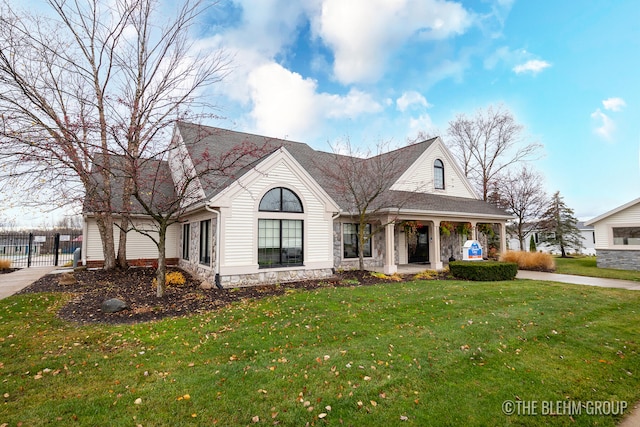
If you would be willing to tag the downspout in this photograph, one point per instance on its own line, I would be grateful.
(217, 261)
(333, 218)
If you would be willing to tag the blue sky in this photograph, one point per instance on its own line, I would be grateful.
(319, 71)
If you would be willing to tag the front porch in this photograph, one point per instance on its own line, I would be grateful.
(412, 245)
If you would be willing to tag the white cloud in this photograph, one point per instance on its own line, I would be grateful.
(411, 98)
(287, 105)
(533, 66)
(421, 125)
(363, 33)
(606, 125)
(614, 104)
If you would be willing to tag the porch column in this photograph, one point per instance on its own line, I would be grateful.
(503, 238)
(474, 232)
(390, 266)
(434, 247)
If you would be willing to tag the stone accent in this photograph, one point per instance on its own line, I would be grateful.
(271, 276)
(620, 259)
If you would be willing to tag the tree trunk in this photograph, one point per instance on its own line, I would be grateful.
(122, 243)
(361, 230)
(105, 227)
(161, 272)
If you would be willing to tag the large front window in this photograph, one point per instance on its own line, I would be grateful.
(626, 236)
(279, 242)
(350, 240)
(280, 239)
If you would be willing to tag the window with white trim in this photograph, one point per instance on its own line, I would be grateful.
(280, 239)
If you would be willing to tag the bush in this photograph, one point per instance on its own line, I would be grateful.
(394, 277)
(5, 264)
(536, 261)
(483, 270)
(175, 278)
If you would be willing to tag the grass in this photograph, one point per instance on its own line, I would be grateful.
(586, 266)
(435, 352)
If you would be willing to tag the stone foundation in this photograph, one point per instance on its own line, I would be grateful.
(622, 260)
(140, 262)
(271, 277)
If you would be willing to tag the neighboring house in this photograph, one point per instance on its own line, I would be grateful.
(586, 231)
(617, 235)
(281, 218)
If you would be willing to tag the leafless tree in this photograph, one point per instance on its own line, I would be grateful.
(522, 195)
(165, 185)
(362, 181)
(91, 79)
(487, 144)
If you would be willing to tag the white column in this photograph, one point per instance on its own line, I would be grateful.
(390, 266)
(434, 247)
(474, 231)
(503, 238)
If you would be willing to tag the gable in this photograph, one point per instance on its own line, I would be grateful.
(278, 169)
(627, 213)
(419, 177)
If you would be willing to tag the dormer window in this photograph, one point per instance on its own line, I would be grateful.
(438, 175)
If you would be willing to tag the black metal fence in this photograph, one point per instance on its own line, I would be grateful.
(39, 248)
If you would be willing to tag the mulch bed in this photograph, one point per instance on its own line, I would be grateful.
(134, 286)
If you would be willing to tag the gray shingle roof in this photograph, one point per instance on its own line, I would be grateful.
(202, 141)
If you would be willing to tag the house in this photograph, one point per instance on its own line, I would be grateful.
(282, 217)
(617, 237)
(586, 232)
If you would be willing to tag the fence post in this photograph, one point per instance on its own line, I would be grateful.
(56, 247)
(29, 250)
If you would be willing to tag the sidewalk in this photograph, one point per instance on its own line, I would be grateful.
(579, 280)
(11, 283)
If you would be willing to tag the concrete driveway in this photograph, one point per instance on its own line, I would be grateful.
(579, 280)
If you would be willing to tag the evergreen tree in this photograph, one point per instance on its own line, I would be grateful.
(532, 245)
(560, 227)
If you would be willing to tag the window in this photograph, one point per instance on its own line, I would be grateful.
(438, 174)
(205, 242)
(280, 241)
(626, 236)
(350, 240)
(280, 200)
(186, 233)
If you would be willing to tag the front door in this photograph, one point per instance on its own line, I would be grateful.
(419, 246)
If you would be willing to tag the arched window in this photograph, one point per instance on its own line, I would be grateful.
(280, 199)
(438, 175)
(280, 241)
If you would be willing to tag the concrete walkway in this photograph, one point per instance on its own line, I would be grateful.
(11, 283)
(579, 280)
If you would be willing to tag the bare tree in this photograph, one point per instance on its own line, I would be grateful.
(93, 79)
(362, 182)
(487, 144)
(165, 185)
(522, 195)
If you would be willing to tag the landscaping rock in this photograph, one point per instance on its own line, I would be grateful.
(206, 286)
(67, 279)
(113, 305)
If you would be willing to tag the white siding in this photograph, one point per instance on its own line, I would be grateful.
(627, 217)
(240, 220)
(138, 245)
(419, 177)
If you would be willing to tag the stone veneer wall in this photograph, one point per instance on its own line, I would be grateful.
(620, 259)
(377, 260)
(451, 245)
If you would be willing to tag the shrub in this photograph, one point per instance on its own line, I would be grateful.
(426, 275)
(5, 264)
(536, 261)
(175, 278)
(394, 277)
(483, 270)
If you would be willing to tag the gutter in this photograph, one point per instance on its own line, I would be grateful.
(217, 261)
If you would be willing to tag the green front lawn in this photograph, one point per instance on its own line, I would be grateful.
(418, 353)
(586, 266)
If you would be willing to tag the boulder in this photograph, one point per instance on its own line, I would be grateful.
(67, 279)
(113, 305)
(206, 285)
